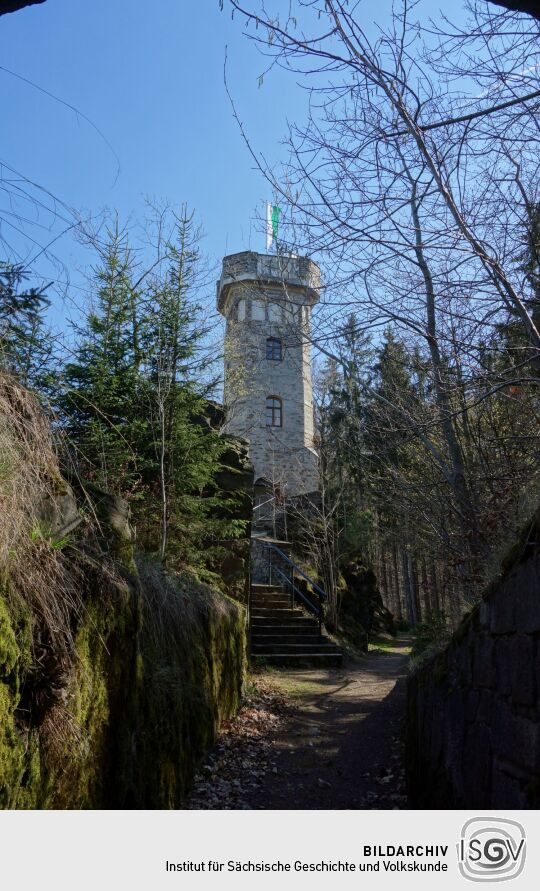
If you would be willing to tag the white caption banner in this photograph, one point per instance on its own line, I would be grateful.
(277, 849)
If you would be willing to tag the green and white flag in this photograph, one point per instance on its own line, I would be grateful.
(273, 213)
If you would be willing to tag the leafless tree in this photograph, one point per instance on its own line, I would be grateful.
(414, 179)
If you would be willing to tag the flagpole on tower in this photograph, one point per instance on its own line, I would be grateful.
(273, 213)
(268, 227)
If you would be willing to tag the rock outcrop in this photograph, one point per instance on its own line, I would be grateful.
(361, 604)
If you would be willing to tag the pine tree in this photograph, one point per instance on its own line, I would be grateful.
(184, 456)
(135, 394)
(387, 433)
(99, 396)
(25, 343)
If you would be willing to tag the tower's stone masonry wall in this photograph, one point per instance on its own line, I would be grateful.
(285, 455)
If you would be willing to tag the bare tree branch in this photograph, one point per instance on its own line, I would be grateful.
(529, 7)
(15, 5)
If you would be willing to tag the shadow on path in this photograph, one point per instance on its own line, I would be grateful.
(340, 747)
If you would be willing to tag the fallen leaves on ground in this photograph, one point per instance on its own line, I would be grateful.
(243, 754)
(240, 774)
(390, 778)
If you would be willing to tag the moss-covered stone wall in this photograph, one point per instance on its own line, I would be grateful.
(473, 719)
(114, 675)
(191, 673)
(158, 664)
(64, 714)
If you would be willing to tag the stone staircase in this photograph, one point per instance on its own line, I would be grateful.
(285, 635)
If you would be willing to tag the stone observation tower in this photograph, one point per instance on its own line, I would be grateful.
(267, 303)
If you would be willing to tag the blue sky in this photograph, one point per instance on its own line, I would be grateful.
(150, 77)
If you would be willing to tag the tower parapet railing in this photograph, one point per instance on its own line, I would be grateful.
(268, 268)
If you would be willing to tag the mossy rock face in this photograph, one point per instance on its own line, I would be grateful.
(236, 473)
(19, 767)
(158, 664)
(192, 678)
(12, 753)
(113, 514)
(101, 698)
(361, 603)
(59, 511)
(59, 736)
(122, 714)
(9, 650)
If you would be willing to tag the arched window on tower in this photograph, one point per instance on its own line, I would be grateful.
(274, 350)
(274, 411)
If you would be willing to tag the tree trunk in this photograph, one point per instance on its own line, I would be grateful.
(409, 588)
(427, 610)
(397, 587)
(413, 573)
(434, 589)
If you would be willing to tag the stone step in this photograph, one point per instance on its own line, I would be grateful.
(266, 589)
(284, 634)
(286, 631)
(268, 595)
(303, 660)
(271, 601)
(291, 622)
(272, 595)
(279, 612)
(285, 639)
(321, 646)
(268, 592)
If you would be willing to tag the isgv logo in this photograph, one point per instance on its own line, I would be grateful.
(491, 849)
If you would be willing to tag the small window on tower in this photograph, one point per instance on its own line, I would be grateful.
(257, 311)
(241, 310)
(274, 349)
(274, 412)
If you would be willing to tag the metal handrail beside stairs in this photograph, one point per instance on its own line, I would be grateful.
(317, 610)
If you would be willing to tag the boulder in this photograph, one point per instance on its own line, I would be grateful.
(361, 605)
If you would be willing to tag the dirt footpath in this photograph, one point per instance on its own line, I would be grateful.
(315, 739)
